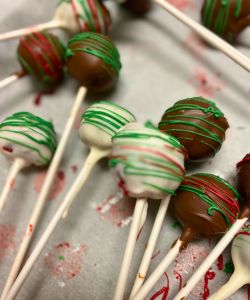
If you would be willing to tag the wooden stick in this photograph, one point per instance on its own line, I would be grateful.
(25, 31)
(94, 156)
(155, 276)
(129, 249)
(16, 167)
(207, 263)
(207, 35)
(141, 274)
(8, 80)
(34, 219)
(237, 280)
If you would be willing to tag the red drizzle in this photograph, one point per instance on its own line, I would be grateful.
(220, 263)
(244, 161)
(210, 275)
(8, 149)
(178, 276)
(163, 291)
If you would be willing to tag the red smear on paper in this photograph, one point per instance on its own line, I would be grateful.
(206, 85)
(220, 263)
(7, 240)
(117, 210)
(182, 4)
(8, 149)
(65, 261)
(163, 291)
(194, 44)
(57, 186)
(210, 275)
(38, 98)
(156, 254)
(178, 277)
(74, 168)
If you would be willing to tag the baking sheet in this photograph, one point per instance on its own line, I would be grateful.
(162, 62)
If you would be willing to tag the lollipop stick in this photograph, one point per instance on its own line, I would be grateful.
(218, 249)
(17, 166)
(155, 276)
(207, 35)
(143, 217)
(9, 80)
(237, 280)
(25, 31)
(32, 224)
(92, 159)
(129, 249)
(141, 274)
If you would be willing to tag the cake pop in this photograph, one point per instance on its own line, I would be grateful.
(41, 55)
(137, 6)
(149, 164)
(73, 16)
(99, 123)
(26, 140)
(226, 18)
(205, 205)
(93, 60)
(243, 168)
(199, 125)
(240, 257)
(44, 193)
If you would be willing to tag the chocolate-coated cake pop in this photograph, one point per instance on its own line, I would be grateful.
(93, 60)
(41, 55)
(243, 168)
(226, 18)
(137, 6)
(206, 205)
(198, 124)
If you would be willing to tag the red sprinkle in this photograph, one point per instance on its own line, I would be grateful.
(63, 245)
(220, 264)
(38, 98)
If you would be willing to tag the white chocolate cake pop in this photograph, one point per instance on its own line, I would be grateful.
(241, 259)
(150, 163)
(24, 135)
(101, 122)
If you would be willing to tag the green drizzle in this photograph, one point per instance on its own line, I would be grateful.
(149, 154)
(227, 205)
(107, 116)
(219, 23)
(34, 126)
(175, 115)
(97, 45)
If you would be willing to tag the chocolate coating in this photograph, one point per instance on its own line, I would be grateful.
(41, 55)
(226, 18)
(243, 169)
(93, 60)
(138, 6)
(198, 124)
(205, 205)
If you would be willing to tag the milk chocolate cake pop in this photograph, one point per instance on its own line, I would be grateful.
(137, 6)
(198, 124)
(41, 55)
(206, 205)
(226, 18)
(243, 168)
(93, 60)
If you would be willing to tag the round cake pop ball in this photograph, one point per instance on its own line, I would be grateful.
(205, 205)
(137, 6)
(83, 15)
(93, 60)
(41, 55)
(198, 124)
(24, 135)
(102, 121)
(243, 169)
(226, 18)
(150, 164)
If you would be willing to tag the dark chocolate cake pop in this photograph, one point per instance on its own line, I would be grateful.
(243, 168)
(137, 6)
(226, 18)
(198, 124)
(205, 205)
(93, 60)
(41, 55)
